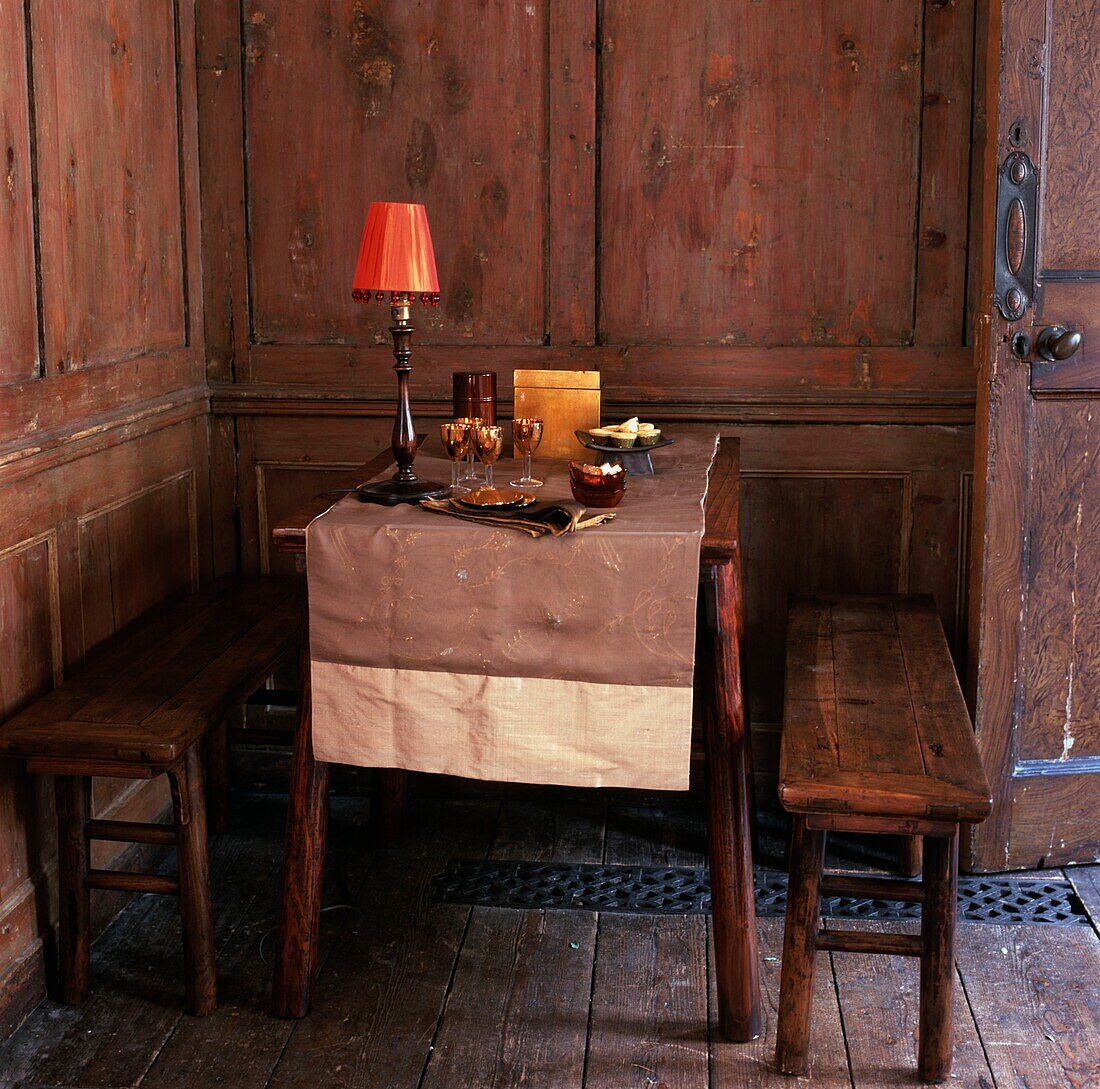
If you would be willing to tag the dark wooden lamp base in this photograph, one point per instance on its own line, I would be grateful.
(392, 492)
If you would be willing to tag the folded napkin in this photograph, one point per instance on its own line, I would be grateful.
(558, 517)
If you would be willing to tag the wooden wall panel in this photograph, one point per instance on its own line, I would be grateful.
(135, 552)
(799, 220)
(814, 533)
(18, 294)
(32, 661)
(282, 487)
(353, 100)
(758, 173)
(106, 97)
(30, 627)
(1060, 652)
(1071, 185)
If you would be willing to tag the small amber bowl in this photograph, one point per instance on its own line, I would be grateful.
(596, 489)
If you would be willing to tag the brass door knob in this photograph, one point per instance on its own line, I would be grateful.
(1056, 343)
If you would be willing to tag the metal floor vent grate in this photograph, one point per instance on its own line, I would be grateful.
(681, 890)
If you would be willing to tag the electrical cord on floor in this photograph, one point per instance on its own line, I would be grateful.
(272, 930)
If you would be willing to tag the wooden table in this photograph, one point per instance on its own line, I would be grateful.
(728, 774)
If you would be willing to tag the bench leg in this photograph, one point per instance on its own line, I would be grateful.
(73, 794)
(303, 864)
(796, 986)
(937, 966)
(216, 751)
(189, 807)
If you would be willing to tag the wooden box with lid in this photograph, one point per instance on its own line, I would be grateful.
(565, 401)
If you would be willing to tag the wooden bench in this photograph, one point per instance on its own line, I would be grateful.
(876, 738)
(140, 707)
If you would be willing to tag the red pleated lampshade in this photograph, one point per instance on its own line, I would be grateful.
(396, 253)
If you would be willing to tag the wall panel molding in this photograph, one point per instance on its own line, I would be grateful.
(47, 543)
(117, 542)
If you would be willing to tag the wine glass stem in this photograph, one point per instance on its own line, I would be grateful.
(526, 466)
(454, 475)
(470, 465)
(489, 473)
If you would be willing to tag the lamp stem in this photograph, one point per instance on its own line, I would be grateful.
(404, 486)
(403, 439)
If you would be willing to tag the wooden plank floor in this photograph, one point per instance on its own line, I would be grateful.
(418, 995)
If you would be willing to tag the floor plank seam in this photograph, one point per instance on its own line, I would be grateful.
(840, 1014)
(446, 999)
(710, 1011)
(219, 952)
(321, 967)
(977, 1024)
(1067, 873)
(595, 961)
(591, 999)
(491, 840)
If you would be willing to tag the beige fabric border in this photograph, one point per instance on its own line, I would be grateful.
(578, 733)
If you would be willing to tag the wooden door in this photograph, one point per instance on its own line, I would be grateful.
(1035, 653)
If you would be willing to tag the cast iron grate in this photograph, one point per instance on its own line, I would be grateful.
(682, 890)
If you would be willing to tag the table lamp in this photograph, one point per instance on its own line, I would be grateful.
(396, 258)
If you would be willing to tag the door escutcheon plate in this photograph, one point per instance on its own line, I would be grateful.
(1014, 261)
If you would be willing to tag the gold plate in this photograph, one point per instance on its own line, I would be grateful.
(496, 499)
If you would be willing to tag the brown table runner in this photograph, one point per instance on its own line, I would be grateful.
(443, 646)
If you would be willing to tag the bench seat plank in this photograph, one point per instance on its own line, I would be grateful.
(227, 681)
(874, 721)
(154, 691)
(138, 694)
(127, 650)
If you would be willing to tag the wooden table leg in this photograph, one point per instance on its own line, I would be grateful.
(216, 753)
(937, 963)
(388, 808)
(303, 864)
(728, 822)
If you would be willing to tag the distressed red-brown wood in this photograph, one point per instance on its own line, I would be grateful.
(946, 110)
(420, 103)
(728, 214)
(874, 723)
(109, 140)
(222, 165)
(1037, 512)
(18, 295)
(848, 337)
(571, 140)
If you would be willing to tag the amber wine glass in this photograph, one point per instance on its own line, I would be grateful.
(470, 476)
(527, 434)
(488, 443)
(457, 439)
